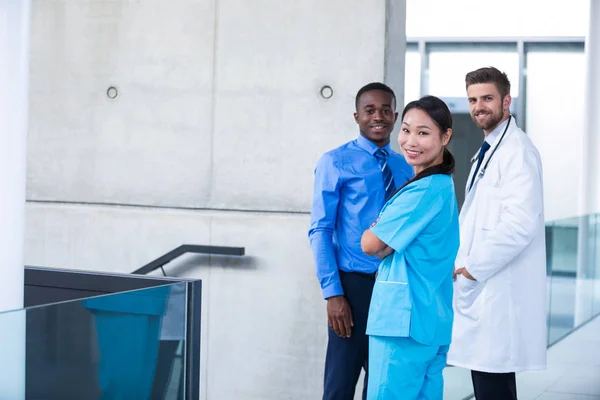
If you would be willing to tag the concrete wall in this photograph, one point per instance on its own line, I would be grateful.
(264, 327)
(212, 139)
(218, 99)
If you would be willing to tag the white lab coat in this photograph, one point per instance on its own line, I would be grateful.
(500, 319)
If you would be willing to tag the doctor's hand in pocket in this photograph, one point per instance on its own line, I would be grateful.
(339, 316)
(463, 271)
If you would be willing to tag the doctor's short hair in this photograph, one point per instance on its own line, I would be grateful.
(489, 75)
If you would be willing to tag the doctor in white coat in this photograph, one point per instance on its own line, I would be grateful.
(500, 276)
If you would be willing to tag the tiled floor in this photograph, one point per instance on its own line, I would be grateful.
(573, 369)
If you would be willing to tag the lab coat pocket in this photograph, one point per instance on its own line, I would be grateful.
(389, 313)
(467, 294)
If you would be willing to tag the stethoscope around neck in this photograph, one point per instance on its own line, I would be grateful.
(482, 170)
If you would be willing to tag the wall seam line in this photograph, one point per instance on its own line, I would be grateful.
(173, 208)
(213, 117)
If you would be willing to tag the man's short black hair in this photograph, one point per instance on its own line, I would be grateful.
(374, 86)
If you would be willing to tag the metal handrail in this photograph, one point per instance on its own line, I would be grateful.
(188, 248)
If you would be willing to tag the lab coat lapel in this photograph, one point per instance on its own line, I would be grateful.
(473, 165)
(511, 125)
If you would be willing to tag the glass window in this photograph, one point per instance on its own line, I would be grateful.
(412, 76)
(447, 69)
(469, 18)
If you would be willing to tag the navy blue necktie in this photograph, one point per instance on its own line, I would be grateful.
(484, 148)
(388, 178)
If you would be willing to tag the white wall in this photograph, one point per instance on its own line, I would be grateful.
(555, 122)
(212, 140)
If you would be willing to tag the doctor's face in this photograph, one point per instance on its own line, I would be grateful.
(421, 140)
(487, 107)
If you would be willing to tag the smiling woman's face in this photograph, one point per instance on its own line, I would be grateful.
(421, 140)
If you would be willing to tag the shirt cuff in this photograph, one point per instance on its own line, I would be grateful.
(333, 289)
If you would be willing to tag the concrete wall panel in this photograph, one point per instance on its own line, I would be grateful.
(152, 144)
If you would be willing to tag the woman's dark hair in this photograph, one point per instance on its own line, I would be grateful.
(438, 111)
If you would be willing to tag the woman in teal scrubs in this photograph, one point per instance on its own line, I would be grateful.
(417, 237)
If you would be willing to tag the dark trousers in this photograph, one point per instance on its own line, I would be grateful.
(346, 357)
(489, 386)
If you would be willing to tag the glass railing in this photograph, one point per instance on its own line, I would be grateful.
(573, 268)
(129, 345)
(457, 384)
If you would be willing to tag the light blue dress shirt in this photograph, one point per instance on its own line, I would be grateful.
(348, 195)
(412, 296)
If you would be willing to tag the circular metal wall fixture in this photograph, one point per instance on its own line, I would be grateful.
(326, 92)
(112, 92)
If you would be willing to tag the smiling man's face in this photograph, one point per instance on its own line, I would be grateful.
(376, 117)
(488, 108)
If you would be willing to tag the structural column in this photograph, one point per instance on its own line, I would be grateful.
(590, 191)
(588, 252)
(395, 54)
(14, 76)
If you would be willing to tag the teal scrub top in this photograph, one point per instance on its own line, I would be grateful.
(412, 296)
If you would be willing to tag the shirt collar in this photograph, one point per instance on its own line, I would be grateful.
(491, 138)
(369, 146)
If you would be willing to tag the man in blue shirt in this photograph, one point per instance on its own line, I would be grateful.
(352, 183)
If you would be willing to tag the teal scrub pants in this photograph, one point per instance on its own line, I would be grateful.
(402, 369)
